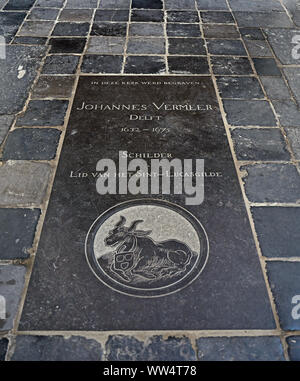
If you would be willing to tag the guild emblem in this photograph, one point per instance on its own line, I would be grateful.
(147, 248)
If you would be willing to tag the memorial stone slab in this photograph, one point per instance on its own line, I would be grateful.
(129, 243)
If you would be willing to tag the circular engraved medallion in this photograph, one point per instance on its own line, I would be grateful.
(147, 248)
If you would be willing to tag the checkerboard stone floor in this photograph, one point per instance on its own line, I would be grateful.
(250, 48)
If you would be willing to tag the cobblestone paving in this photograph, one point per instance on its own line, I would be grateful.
(249, 47)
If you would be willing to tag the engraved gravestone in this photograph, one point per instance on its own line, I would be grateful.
(146, 227)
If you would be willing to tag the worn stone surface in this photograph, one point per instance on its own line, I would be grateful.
(293, 77)
(188, 65)
(217, 5)
(44, 113)
(71, 29)
(53, 87)
(146, 46)
(263, 19)
(183, 16)
(179, 4)
(17, 232)
(281, 41)
(11, 286)
(67, 45)
(31, 144)
(101, 64)
(50, 3)
(147, 15)
(5, 124)
(81, 4)
(123, 4)
(256, 144)
(284, 278)
(252, 34)
(240, 87)
(23, 182)
(16, 5)
(220, 31)
(60, 64)
(43, 14)
(128, 348)
(275, 88)
(249, 113)
(82, 15)
(257, 48)
(56, 348)
(36, 28)
(17, 76)
(145, 64)
(112, 15)
(266, 67)
(231, 66)
(226, 47)
(272, 183)
(216, 17)
(28, 40)
(10, 23)
(146, 29)
(154, 4)
(287, 112)
(256, 5)
(294, 347)
(277, 230)
(233, 259)
(3, 348)
(106, 45)
(109, 29)
(240, 349)
(183, 30)
(186, 46)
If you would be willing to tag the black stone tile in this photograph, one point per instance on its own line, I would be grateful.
(67, 45)
(56, 348)
(97, 132)
(263, 19)
(53, 86)
(258, 48)
(294, 347)
(179, 4)
(287, 112)
(36, 28)
(216, 5)
(79, 15)
(138, 45)
(111, 15)
(101, 64)
(81, 4)
(249, 113)
(71, 29)
(109, 29)
(277, 229)
(147, 15)
(145, 65)
(266, 67)
(261, 348)
(188, 65)
(183, 30)
(115, 4)
(10, 23)
(259, 144)
(226, 47)
(17, 77)
(146, 29)
(272, 183)
(212, 17)
(240, 87)
(128, 348)
(17, 232)
(284, 282)
(147, 4)
(3, 348)
(293, 135)
(27, 40)
(231, 66)
(275, 88)
(292, 75)
(255, 5)
(43, 14)
(17, 5)
(183, 16)
(281, 41)
(252, 34)
(220, 31)
(44, 113)
(186, 46)
(31, 144)
(62, 64)
(49, 3)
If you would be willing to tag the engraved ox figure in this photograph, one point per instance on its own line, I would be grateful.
(137, 254)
